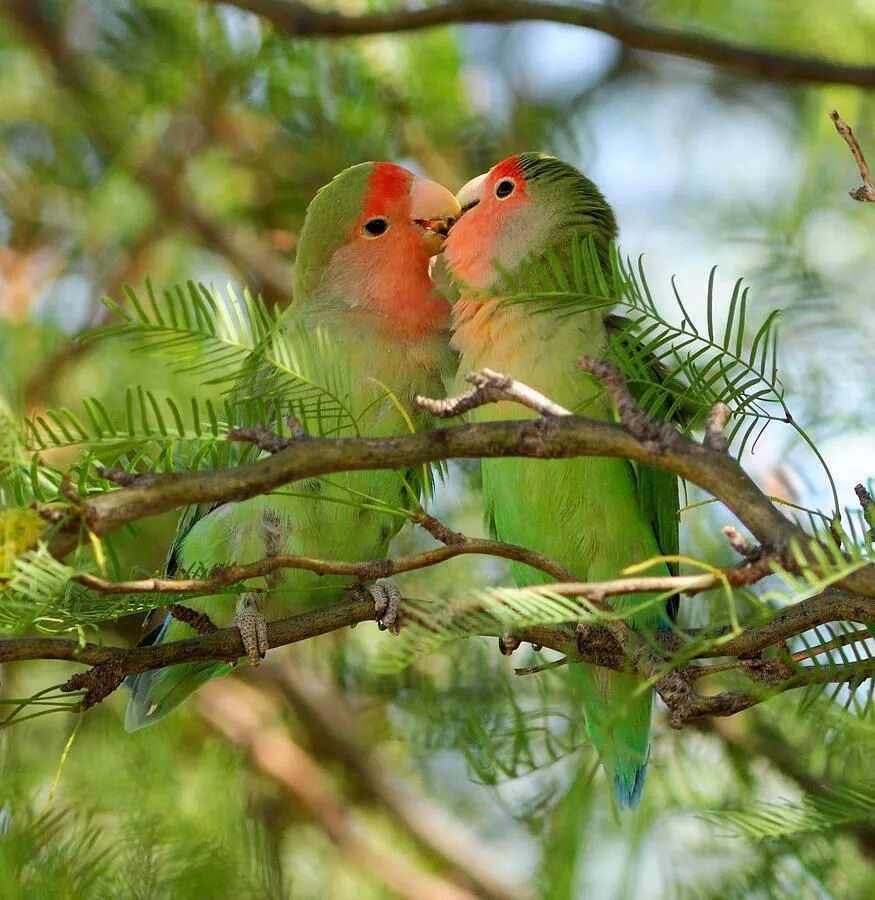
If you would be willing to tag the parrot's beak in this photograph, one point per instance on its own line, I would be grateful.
(434, 209)
(472, 193)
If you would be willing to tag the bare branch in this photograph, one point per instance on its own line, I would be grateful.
(865, 193)
(225, 576)
(299, 20)
(652, 433)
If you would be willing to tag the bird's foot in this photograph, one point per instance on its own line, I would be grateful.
(253, 631)
(387, 603)
(508, 642)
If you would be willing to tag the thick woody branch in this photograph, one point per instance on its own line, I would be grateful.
(637, 437)
(607, 645)
(300, 20)
(865, 193)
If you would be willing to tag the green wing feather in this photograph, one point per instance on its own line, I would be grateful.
(658, 490)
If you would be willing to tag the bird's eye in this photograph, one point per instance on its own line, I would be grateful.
(504, 188)
(375, 227)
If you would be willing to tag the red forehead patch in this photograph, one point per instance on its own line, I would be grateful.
(508, 168)
(389, 184)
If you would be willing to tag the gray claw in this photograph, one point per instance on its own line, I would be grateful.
(387, 604)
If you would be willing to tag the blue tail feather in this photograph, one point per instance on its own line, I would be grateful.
(628, 790)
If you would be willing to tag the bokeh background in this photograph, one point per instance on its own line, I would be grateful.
(183, 140)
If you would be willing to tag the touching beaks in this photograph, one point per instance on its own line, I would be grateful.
(472, 193)
(434, 209)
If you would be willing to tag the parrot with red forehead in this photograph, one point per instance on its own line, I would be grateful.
(369, 328)
(595, 516)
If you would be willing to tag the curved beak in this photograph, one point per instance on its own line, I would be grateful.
(434, 209)
(472, 193)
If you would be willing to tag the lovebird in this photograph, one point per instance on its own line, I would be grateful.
(594, 516)
(368, 329)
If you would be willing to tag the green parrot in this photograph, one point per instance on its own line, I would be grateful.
(594, 516)
(369, 331)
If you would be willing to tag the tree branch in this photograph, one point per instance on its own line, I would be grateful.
(225, 576)
(606, 641)
(612, 645)
(302, 21)
(637, 437)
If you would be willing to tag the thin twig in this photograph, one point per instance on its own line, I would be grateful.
(226, 576)
(715, 427)
(740, 544)
(542, 667)
(842, 640)
(865, 193)
(490, 387)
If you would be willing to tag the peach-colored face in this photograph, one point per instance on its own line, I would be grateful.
(384, 264)
(496, 224)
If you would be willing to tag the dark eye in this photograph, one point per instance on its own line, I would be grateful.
(504, 188)
(375, 227)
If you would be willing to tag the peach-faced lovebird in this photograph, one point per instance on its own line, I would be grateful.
(594, 516)
(369, 327)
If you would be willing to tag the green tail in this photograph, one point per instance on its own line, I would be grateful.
(157, 693)
(618, 723)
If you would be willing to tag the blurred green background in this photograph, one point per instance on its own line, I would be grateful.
(183, 140)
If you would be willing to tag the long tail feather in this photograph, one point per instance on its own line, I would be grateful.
(618, 723)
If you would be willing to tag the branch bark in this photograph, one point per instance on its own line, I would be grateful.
(548, 438)
(300, 20)
(609, 646)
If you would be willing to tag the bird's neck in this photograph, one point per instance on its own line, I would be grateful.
(537, 347)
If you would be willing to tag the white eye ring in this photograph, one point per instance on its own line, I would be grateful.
(504, 188)
(375, 227)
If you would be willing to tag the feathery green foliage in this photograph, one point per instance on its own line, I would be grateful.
(844, 805)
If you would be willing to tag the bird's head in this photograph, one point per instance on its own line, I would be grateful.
(368, 238)
(521, 207)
